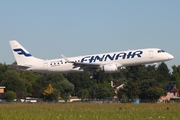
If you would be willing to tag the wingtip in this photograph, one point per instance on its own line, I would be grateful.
(66, 59)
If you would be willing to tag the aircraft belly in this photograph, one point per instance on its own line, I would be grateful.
(60, 68)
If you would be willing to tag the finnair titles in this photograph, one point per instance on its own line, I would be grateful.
(105, 57)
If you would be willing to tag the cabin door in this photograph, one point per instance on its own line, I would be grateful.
(45, 66)
(151, 54)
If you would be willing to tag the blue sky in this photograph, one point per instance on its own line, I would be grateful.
(48, 29)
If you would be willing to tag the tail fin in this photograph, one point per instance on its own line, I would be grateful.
(21, 55)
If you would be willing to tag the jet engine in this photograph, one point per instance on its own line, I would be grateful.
(110, 68)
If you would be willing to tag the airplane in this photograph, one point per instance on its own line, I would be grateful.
(107, 62)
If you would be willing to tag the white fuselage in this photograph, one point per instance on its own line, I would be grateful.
(123, 58)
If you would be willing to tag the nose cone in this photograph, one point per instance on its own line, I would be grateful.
(170, 56)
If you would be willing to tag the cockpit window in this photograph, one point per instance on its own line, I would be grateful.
(160, 51)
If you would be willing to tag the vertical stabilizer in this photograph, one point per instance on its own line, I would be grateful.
(21, 55)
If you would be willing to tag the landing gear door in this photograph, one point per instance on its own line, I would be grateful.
(151, 54)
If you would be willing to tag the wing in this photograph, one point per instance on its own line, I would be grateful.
(83, 66)
(18, 67)
(86, 66)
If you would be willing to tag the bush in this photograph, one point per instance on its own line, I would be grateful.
(154, 93)
(10, 96)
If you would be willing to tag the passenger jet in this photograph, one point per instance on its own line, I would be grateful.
(107, 62)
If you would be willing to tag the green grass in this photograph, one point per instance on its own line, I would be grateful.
(88, 111)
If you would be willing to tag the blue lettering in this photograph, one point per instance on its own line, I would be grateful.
(110, 57)
(115, 56)
(129, 55)
(96, 58)
(84, 59)
(138, 53)
(123, 55)
(90, 60)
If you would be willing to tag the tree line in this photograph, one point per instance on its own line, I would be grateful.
(142, 81)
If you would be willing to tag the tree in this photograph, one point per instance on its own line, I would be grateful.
(66, 89)
(146, 84)
(30, 78)
(13, 81)
(163, 73)
(55, 95)
(3, 69)
(133, 89)
(10, 96)
(83, 93)
(102, 77)
(102, 91)
(138, 79)
(154, 93)
(51, 94)
(81, 81)
(175, 77)
(48, 90)
(132, 73)
(122, 95)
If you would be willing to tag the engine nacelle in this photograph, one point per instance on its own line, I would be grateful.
(110, 68)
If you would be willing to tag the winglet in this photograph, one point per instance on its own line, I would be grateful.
(66, 59)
